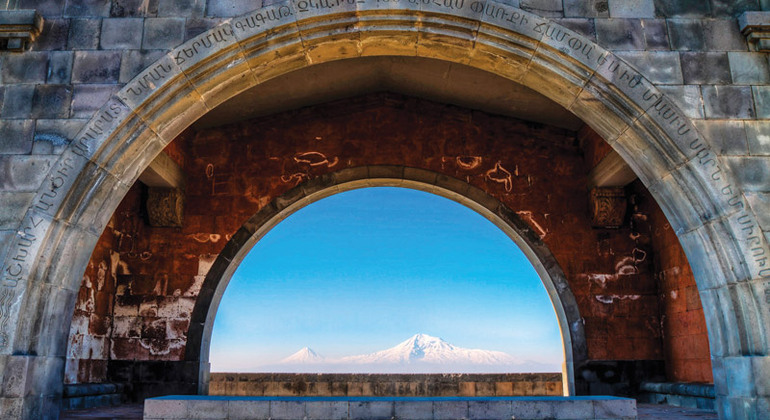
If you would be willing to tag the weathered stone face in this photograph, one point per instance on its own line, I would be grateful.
(59, 196)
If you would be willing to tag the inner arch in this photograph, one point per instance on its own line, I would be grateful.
(361, 271)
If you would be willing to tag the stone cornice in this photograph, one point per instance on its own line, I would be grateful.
(19, 28)
(755, 26)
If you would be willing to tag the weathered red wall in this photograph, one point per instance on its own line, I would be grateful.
(233, 171)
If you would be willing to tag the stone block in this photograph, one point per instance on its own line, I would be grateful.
(680, 8)
(758, 137)
(687, 98)
(207, 409)
(450, 410)
(749, 68)
(133, 8)
(573, 409)
(121, 33)
(532, 410)
(15, 204)
(705, 68)
(686, 34)
(87, 99)
(723, 35)
(16, 136)
(655, 34)
(417, 410)
(30, 67)
(614, 408)
(60, 67)
(96, 67)
(752, 173)
(82, 8)
(84, 34)
(546, 8)
(196, 26)
(51, 101)
(53, 36)
(17, 101)
(181, 8)
(586, 8)
(660, 67)
(165, 409)
(489, 410)
(326, 410)
(620, 34)
(725, 137)
(737, 371)
(163, 33)
(584, 27)
(732, 7)
(248, 410)
(287, 410)
(631, 8)
(51, 136)
(24, 172)
(728, 102)
(216, 8)
(371, 410)
(134, 61)
(762, 101)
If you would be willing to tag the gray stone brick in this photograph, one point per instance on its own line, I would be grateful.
(549, 8)
(586, 8)
(87, 99)
(121, 33)
(5, 241)
(51, 101)
(52, 136)
(24, 173)
(725, 137)
(661, 67)
(751, 172)
(181, 8)
(760, 200)
(689, 8)
(723, 35)
(761, 101)
(44, 7)
(84, 8)
(60, 67)
(732, 7)
(749, 68)
(728, 102)
(163, 33)
(758, 137)
(53, 36)
(30, 67)
(134, 8)
(655, 34)
(584, 27)
(197, 26)
(686, 34)
(84, 34)
(96, 67)
(135, 61)
(631, 8)
(15, 204)
(218, 8)
(17, 101)
(687, 98)
(16, 136)
(620, 34)
(705, 68)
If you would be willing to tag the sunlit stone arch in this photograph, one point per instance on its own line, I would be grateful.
(308, 192)
(717, 228)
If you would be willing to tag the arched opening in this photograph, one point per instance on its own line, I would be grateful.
(451, 300)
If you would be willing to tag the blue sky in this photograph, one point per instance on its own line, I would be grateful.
(363, 270)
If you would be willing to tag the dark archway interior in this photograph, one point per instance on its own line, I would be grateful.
(623, 263)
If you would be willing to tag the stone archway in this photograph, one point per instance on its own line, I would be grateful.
(308, 192)
(715, 224)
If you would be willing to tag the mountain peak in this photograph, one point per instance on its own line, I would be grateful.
(304, 355)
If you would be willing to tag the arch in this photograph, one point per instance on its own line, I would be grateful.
(308, 192)
(716, 226)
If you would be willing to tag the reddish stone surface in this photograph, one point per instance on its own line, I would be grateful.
(232, 171)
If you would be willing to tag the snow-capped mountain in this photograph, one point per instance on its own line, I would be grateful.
(421, 353)
(305, 355)
(423, 348)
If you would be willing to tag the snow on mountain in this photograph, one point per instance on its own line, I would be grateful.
(423, 348)
(305, 355)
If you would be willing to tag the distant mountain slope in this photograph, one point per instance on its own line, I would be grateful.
(421, 353)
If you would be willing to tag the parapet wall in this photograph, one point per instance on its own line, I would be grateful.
(385, 385)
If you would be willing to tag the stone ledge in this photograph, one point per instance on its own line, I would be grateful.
(755, 26)
(19, 28)
(350, 408)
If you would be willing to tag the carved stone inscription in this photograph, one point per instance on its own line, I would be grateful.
(165, 207)
(608, 207)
